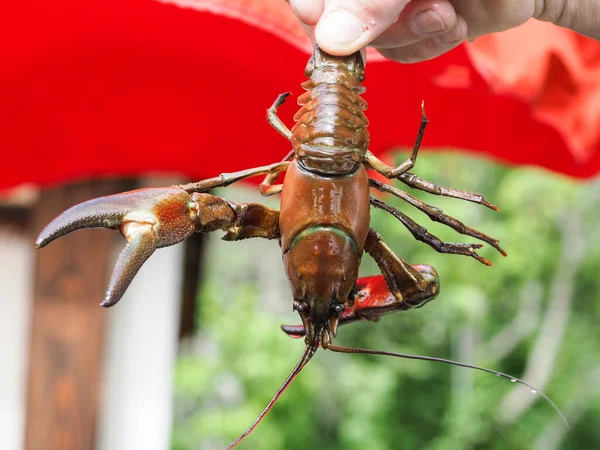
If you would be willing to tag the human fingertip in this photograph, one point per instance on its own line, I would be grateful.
(308, 11)
(428, 22)
(339, 32)
(430, 47)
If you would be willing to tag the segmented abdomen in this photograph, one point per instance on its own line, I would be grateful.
(332, 113)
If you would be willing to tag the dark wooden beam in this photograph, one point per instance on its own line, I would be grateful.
(15, 218)
(67, 330)
(192, 272)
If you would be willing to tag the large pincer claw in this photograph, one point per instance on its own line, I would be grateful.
(147, 218)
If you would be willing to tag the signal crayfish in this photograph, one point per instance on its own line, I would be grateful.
(322, 224)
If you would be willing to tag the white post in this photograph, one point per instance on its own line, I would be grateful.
(141, 347)
(16, 286)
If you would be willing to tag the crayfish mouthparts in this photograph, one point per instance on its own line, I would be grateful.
(323, 337)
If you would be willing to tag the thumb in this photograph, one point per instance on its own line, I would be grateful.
(582, 17)
(346, 26)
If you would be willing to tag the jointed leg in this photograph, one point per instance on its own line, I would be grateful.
(418, 183)
(401, 172)
(239, 220)
(266, 187)
(225, 179)
(436, 214)
(249, 220)
(408, 285)
(390, 172)
(274, 120)
(420, 233)
(415, 182)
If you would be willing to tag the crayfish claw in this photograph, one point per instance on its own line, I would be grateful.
(103, 212)
(140, 247)
(294, 331)
(147, 218)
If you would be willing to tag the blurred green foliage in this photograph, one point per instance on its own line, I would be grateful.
(533, 315)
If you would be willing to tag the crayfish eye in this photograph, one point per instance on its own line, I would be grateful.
(338, 307)
(300, 306)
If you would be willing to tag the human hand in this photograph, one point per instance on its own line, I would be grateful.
(417, 30)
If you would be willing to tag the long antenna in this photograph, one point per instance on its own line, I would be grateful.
(338, 349)
(304, 359)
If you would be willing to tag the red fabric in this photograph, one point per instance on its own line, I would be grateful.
(123, 87)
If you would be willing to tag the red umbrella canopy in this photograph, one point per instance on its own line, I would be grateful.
(122, 87)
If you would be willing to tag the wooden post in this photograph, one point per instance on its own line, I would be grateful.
(67, 327)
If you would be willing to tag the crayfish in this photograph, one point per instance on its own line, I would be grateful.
(322, 225)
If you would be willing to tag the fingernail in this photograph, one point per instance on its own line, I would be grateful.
(428, 22)
(339, 27)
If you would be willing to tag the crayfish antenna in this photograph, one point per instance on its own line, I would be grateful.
(338, 349)
(304, 359)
